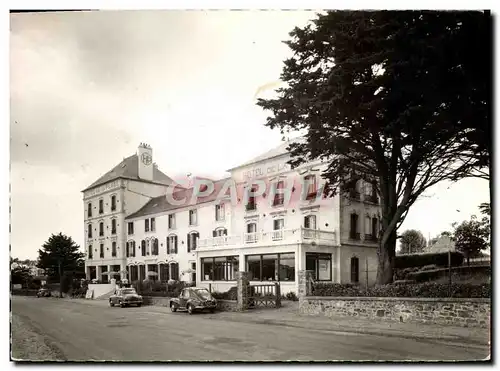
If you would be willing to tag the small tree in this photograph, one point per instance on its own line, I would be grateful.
(20, 275)
(412, 241)
(471, 237)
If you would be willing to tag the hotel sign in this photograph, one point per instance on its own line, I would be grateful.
(103, 188)
(266, 170)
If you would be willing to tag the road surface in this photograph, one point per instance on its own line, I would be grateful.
(82, 331)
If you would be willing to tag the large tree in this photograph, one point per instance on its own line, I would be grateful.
(386, 97)
(412, 241)
(471, 237)
(58, 255)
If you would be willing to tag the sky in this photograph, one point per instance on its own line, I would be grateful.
(86, 88)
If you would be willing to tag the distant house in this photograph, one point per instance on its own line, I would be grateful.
(442, 244)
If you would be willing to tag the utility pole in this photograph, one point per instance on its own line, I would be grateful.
(60, 277)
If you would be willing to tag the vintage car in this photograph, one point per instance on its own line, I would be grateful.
(125, 297)
(43, 292)
(193, 299)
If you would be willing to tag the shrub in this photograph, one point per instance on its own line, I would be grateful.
(291, 296)
(231, 294)
(421, 260)
(428, 275)
(423, 290)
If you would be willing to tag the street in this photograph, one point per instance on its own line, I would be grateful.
(81, 330)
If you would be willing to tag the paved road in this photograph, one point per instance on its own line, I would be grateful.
(79, 330)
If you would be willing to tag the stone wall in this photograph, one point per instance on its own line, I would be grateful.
(443, 311)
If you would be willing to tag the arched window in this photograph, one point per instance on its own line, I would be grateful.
(143, 248)
(89, 231)
(172, 244)
(130, 249)
(354, 269)
(148, 247)
(154, 242)
(174, 271)
(192, 241)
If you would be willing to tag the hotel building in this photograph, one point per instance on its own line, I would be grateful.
(265, 218)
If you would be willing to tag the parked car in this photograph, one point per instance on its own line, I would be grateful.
(125, 297)
(193, 299)
(43, 292)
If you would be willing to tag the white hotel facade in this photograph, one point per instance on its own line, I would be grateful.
(134, 225)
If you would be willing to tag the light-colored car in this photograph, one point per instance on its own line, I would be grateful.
(125, 297)
(193, 299)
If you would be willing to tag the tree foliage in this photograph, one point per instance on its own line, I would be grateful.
(59, 254)
(412, 241)
(20, 275)
(386, 97)
(472, 236)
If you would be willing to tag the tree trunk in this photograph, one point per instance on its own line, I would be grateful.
(386, 254)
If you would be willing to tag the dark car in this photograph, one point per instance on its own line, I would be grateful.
(43, 292)
(125, 297)
(193, 299)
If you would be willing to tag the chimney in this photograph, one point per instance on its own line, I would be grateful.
(145, 155)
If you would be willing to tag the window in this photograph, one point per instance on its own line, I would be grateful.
(101, 206)
(310, 186)
(354, 270)
(368, 227)
(143, 248)
(271, 267)
(172, 244)
(321, 265)
(90, 252)
(219, 232)
(153, 224)
(171, 221)
(101, 251)
(113, 226)
(373, 196)
(89, 231)
(148, 247)
(130, 227)
(164, 272)
(279, 196)
(219, 212)
(278, 226)
(193, 217)
(192, 241)
(374, 229)
(251, 235)
(251, 205)
(89, 210)
(146, 225)
(353, 233)
(174, 271)
(113, 203)
(155, 248)
(131, 249)
(113, 249)
(101, 229)
(221, 268)
(310, 221)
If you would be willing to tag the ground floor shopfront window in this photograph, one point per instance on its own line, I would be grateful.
(271, 267)
(321, 265)
(220, 268)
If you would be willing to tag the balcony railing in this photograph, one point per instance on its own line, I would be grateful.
(276, 236)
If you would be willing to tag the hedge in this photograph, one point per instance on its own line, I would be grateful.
(421, 260)
(418, 290)
(423, 276)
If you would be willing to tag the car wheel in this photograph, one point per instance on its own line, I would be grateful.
(173, 307)
(111, 304)
(190, 309)
(139, 305)
(122, 305)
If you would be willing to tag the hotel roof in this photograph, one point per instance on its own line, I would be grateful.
(281, 150)
(160, 204)
(129, 169)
